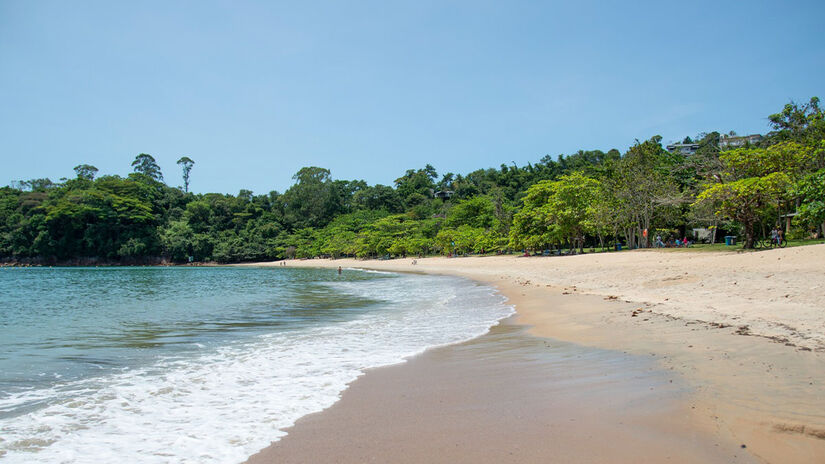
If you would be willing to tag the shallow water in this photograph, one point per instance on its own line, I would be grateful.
(203, 364)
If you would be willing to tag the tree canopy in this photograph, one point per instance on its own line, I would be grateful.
(563, 202)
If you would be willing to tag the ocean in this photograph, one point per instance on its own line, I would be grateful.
(203, 365)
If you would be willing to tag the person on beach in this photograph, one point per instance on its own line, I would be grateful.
(659, 242)
(775, 235)
(340, 270)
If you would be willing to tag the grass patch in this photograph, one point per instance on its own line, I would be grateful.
(721, 247)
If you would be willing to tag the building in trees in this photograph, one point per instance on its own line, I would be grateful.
(686, 149)
(736, 141)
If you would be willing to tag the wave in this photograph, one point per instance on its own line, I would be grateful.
(224, 404)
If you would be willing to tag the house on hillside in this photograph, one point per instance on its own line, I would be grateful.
(729, 142)
(686, 149)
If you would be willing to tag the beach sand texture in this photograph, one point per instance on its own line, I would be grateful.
(734, 350)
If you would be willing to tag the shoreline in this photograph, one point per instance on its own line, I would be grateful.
(767, 395)
(508, 396)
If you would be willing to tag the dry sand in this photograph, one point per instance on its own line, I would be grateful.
(741, 335)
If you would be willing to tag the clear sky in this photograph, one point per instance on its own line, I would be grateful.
(253, 91)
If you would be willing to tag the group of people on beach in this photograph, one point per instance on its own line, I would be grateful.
(671, 243)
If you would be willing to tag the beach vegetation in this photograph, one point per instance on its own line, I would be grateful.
(586, 199)
(186, 164)
(145, 164)
(556, 213)
(85, 171)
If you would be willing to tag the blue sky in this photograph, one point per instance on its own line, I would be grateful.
(253, 91)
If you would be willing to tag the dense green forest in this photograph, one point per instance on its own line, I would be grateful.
(587, 199)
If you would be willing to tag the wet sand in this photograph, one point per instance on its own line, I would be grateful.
(508, 397)
(746, 367)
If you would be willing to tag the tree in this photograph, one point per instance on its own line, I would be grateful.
(811, 191)
(186, 164)
(643, 182)
(85, 171)
(416, 186)
(145, 164)
(801, 123)
(476, 212)
(556, 212)
(313, 201)
(756, 181)
(745, 200)
(36, 185)
(378, 197)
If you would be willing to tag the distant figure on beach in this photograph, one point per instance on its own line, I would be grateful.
(659, 242)
(414, 262)
(340, 270)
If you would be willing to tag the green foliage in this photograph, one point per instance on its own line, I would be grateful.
(757, 182)
(811, 191)
(746, 200)
(85, 171)
(378, 198)
(145, 164)
(314, 200)
(416, 186)
(468, 239)
(567, 200)
(792, 158)
(186, 164)
(556, 212)
(800, 123)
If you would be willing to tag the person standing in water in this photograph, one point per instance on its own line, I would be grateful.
(340, 270)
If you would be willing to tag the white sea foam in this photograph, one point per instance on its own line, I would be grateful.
(371, 271)
(226, 404)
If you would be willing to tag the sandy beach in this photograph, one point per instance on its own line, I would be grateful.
(658, 356)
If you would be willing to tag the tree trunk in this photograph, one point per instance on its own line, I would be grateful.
(713, 234)
(748, 235)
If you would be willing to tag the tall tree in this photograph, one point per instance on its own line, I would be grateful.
(812, 193)
(644, 182)
(746, 200)
(85, 171)
(314, 199)
(416, 186)
(146, 165)
(757, 182)
(801, 123)
(186, 164)
(556, 212)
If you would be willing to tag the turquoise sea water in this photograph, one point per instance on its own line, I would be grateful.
(202, 364)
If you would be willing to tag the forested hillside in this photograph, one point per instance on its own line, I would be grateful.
(589, 198)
